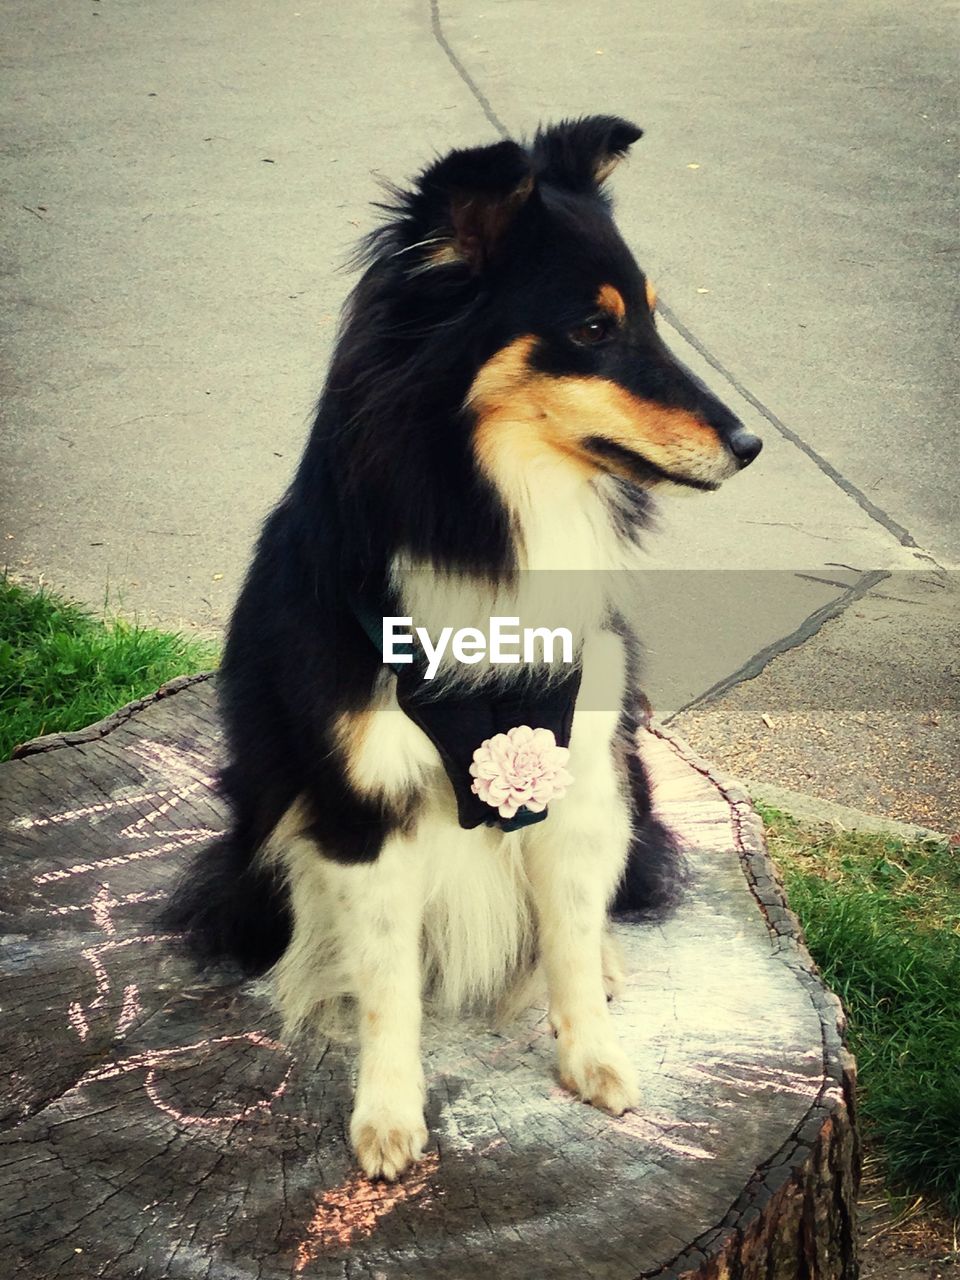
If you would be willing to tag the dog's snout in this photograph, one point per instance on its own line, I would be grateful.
(744, 445)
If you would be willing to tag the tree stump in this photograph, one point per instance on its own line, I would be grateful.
(153, 1124)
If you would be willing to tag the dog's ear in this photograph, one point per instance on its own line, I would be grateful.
(472, 198)
(581, 154)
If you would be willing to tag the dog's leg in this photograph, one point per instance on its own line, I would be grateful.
(381, 914)
(574, 861)
(357, 931)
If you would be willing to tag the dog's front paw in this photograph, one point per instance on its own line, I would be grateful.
(386, 1141)
(599, 1073)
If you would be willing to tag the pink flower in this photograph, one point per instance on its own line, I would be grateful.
(522, 767)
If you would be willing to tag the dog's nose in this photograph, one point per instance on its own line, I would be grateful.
(744, 445)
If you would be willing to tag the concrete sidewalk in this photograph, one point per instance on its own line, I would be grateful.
(865, 713)
(183, 180)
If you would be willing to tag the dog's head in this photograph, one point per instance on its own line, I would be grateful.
(569, 363)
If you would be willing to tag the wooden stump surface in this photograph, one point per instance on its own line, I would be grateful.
(153, 1124)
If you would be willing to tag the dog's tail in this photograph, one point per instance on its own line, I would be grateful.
(655, 875)
(227, 908)
(230, 905)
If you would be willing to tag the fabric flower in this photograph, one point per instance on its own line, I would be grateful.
(523, 767)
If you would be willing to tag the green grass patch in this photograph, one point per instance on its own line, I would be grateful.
(61, 668)
(882, 919)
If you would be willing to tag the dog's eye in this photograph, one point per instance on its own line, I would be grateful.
(593, 332)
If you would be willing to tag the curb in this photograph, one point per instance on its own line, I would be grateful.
(826, 813)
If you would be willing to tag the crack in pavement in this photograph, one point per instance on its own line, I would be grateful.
(806, 631)
(877, 514)
(436, 25)
(813, 623)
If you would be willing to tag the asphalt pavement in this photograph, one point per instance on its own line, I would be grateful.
(183, 183)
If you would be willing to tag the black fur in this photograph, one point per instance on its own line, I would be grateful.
(488, 244)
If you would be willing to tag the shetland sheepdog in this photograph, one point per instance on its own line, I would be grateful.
(498, 411)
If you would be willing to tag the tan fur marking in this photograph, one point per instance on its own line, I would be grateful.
(384, 753)
(651, 295)
(523, 414)
(604, 168)
(478, 225)
(610, 299)
(445, 256)
(350, 730)
(292, 825)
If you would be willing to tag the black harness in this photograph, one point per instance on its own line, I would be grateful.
(457, 723)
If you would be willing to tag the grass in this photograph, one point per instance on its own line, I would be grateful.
(61, 668)
(882, 919)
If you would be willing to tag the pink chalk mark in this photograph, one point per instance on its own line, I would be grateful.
(187, 772)
(662, 1132)
(154, 1061)
(100, 974)
(104, 904)
(175, 762)
(161, 795)
(131, 1008)
(73, 815)
(120, 859)
(355, 1208)
(202, 833)
(139, 940)
(262, 1107)
(100, 907)
(653, 1130)
(753, 1075)
(139, 830)
(77, 1020)
(256, 1038)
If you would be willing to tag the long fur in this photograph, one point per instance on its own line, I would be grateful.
(448, 476)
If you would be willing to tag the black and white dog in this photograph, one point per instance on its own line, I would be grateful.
(498, 410)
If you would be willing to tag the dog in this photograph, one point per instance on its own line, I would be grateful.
(499, 410)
